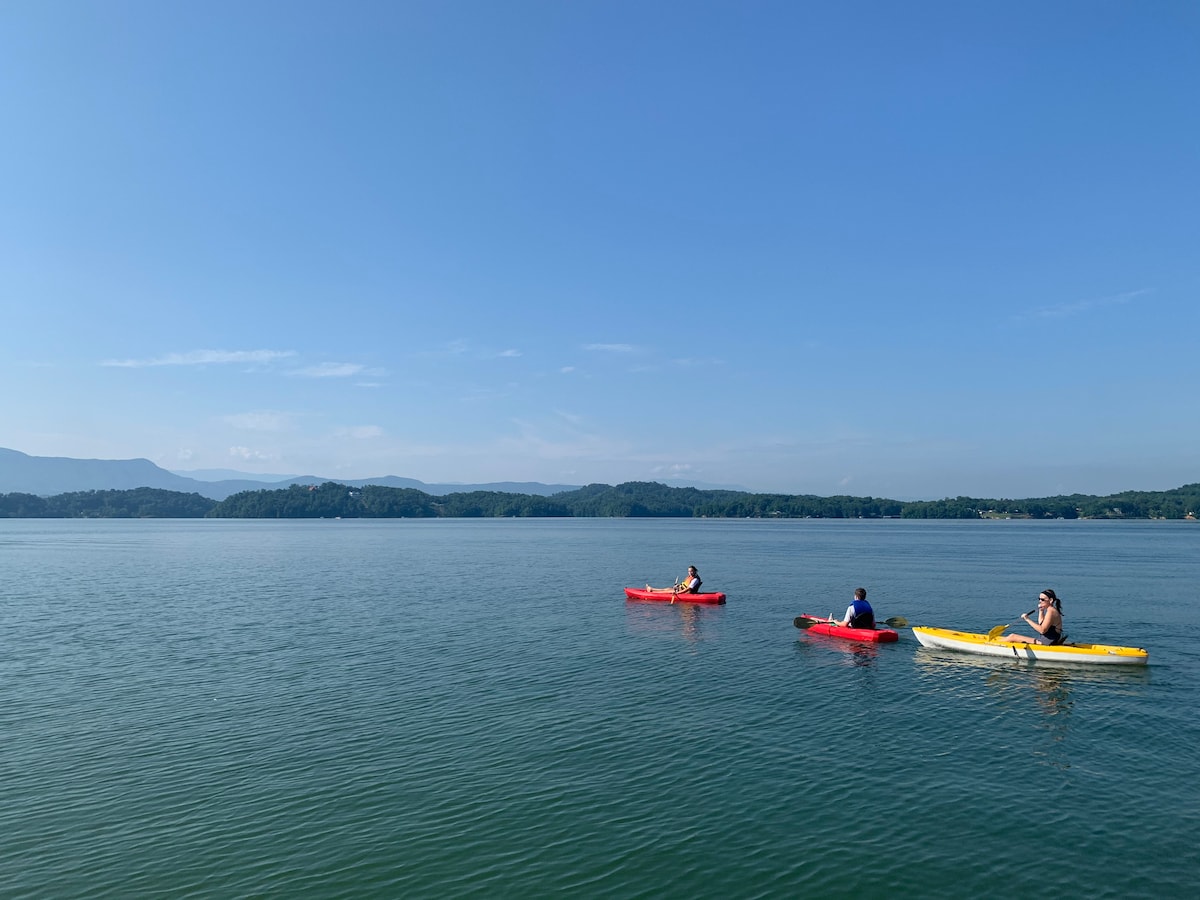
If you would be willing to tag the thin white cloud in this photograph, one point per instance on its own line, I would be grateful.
(488, 394)
(249, 453)
(531, 443)
(610, 348)
(1078, 307)
(449, 349)
(461, 347)
(567, 370)
(329, 370)
(360, 432)
(203, 358)
(260, 421)
(675, 470)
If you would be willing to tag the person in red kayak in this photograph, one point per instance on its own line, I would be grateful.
(1049, 621)
(859, 613)
(689, 585)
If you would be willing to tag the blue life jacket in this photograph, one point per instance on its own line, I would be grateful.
(863, 616)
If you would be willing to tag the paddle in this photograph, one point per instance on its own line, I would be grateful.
(807, 622)
(1000, 629)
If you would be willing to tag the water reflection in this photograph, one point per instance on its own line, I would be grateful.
(1053, 692)
(1044, 695)
(1051, 689)
(936, 662)
(1019, 687)
(686, 619)
(689, 619)
(853, 653)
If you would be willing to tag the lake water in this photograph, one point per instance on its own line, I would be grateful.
(471, 709)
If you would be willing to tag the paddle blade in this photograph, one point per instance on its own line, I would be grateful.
(896, 622)
(804, 622)
(996, 632)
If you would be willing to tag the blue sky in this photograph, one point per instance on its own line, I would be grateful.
(899, 249)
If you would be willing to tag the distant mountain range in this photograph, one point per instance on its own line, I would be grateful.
(47, 476)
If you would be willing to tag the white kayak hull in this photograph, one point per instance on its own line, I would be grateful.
(968, 642)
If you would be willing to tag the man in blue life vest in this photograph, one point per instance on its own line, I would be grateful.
(859, 613)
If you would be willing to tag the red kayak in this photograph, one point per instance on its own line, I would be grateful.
(667, 596)
(822, 625)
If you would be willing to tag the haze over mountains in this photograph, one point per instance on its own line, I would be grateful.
(50, 475)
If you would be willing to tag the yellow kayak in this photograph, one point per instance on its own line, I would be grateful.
(968, 642)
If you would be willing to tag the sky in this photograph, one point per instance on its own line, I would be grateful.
(909, 250)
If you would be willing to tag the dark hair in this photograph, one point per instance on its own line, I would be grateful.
(693, 569)
(860, 593)
(1053, 599)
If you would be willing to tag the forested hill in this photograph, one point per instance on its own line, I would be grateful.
(650, 499)
(633, 499)
(137, 503)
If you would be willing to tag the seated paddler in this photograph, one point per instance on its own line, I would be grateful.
(859, 613)
(690, 584)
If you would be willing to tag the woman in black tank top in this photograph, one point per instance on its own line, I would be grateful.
(1048, 624)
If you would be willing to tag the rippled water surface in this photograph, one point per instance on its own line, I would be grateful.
(471, 708)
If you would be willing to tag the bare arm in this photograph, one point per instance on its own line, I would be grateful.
(1044, 620)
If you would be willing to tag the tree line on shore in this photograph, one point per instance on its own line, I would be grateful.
(136, 503)
(630, 500)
